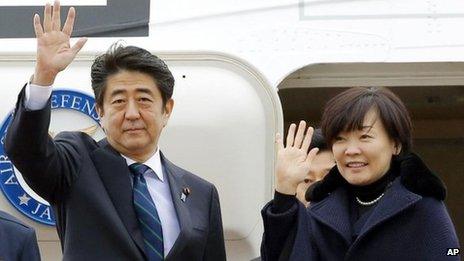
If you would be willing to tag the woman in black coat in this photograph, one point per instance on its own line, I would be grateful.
(380, 202)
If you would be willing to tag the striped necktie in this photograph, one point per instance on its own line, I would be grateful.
(147, 215)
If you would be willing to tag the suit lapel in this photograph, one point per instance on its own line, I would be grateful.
(396, 199)
(333, 211)
(177, 184)
(115, 175)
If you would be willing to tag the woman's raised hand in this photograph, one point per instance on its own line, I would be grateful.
(293, 159)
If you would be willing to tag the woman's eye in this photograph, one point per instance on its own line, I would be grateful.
(365, 136)
(338, 138)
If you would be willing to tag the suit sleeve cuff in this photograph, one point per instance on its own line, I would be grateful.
(282, 202)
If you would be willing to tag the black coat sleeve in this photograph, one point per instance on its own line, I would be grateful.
(215, 247)
(48, 166)
(30, 251)
(439, 234)
(279, 232)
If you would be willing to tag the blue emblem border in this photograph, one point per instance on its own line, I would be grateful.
(13, 192)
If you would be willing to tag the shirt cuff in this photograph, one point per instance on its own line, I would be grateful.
(282, 202)
(37, 96)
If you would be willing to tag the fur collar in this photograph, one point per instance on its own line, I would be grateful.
(414, 174)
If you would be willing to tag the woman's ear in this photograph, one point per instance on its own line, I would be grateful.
(397, 148)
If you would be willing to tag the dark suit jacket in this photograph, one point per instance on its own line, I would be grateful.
(89, 186)
(403, 226)
(17, 241)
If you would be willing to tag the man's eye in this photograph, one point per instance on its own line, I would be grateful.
(144, 99)
(118, 101)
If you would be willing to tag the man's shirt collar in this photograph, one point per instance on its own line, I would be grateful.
(154, 162)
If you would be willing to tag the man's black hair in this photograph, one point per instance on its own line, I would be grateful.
(130, 58)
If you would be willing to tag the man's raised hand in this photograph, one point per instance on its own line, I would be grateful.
(54, 52)
(293, 160)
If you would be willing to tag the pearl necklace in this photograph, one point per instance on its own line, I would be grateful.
(369, 203)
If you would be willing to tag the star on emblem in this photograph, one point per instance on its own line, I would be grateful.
(24, 200)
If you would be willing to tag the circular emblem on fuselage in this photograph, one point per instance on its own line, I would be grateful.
(71, 111)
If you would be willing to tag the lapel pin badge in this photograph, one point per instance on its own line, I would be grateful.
(185, 193)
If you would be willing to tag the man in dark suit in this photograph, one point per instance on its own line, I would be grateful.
(119, 198)
(18, 241)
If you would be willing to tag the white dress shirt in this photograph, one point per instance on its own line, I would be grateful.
(160, 192)
(158, 185)
(37, 96)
